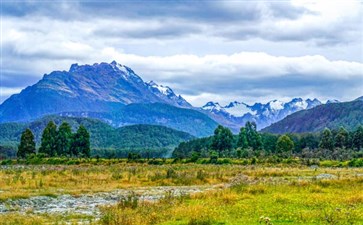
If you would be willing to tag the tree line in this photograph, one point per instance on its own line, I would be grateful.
(56, 142)
(249, 143)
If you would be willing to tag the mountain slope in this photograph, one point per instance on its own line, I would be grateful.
(187, 120)
(87, 88)
(333, 115)
(103, 136)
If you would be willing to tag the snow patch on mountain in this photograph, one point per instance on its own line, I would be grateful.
(276, 105)
(332, 101)
(213, 106)
(238, 109)
(162, 89)
(262, 114)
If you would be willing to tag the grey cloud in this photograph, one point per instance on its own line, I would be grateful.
(167, 30)
(17, 79)
(288, 86)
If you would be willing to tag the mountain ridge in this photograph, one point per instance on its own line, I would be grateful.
(98, 87)
(262, 114)
(334, 115)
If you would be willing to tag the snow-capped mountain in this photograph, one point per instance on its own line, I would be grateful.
(168, 94)
(263, 114)
(101, 87)
(332, 101)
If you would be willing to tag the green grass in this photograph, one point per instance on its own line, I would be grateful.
(248, 194)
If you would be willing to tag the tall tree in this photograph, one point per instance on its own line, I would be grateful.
(81, 143)
(222, 140)
(242, 138)
(358, 138)
(49, 140)
(269, 142)
(327, 141)
(64, 139)
(284, 144)
(27, 144)
(341, 138)
(253, 137)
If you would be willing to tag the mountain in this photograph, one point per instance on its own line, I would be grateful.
(334, 115)
(108, 91)
(263, 115)
(187, 120)
(86, 88)
(143, 138)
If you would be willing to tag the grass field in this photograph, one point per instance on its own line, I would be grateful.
(253, 194)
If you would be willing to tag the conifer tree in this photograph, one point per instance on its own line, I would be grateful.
(341, 139)
(27, 144)
(49, 140)
(242, 138)
(253, 137)
(81, 143)
(64, 139)
(327, 140)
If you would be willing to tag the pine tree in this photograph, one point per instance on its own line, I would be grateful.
(64, 139)
(81, 143)
(49, 140)
(242, 138)
(27, 144)
(358, 138)
(341, 139)
(284, 144)
(327, 140)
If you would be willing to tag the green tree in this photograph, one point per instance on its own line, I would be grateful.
(326, 141)
(27, 144)
(358, 138)
(341, 138)
(64, 139)
(81, 143)
(242, 138)
(284, 144)
(253, 137)
(222, 140)
(49, 140)
(269, 142)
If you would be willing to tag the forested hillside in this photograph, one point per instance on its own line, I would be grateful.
(105, 140)
(333, 116)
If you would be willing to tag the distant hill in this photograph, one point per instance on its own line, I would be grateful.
(103, 136)
(333, 115)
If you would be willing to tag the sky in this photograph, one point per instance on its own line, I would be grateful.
(222, 51)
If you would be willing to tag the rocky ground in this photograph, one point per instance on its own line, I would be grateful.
(88, 204)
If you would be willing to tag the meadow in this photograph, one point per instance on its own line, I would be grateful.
(238, 194)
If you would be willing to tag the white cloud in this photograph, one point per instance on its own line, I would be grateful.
(226, 51)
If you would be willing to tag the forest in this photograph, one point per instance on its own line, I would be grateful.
(337, 144)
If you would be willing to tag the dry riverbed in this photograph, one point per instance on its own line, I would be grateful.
(88, 204)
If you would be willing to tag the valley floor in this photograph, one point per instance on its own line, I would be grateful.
(125, 193)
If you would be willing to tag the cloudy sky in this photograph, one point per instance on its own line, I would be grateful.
(205, 50)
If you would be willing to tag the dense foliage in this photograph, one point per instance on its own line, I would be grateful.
(329, 144)
(332, 116)
(27, 144)
(56, 142)
(106, 141)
